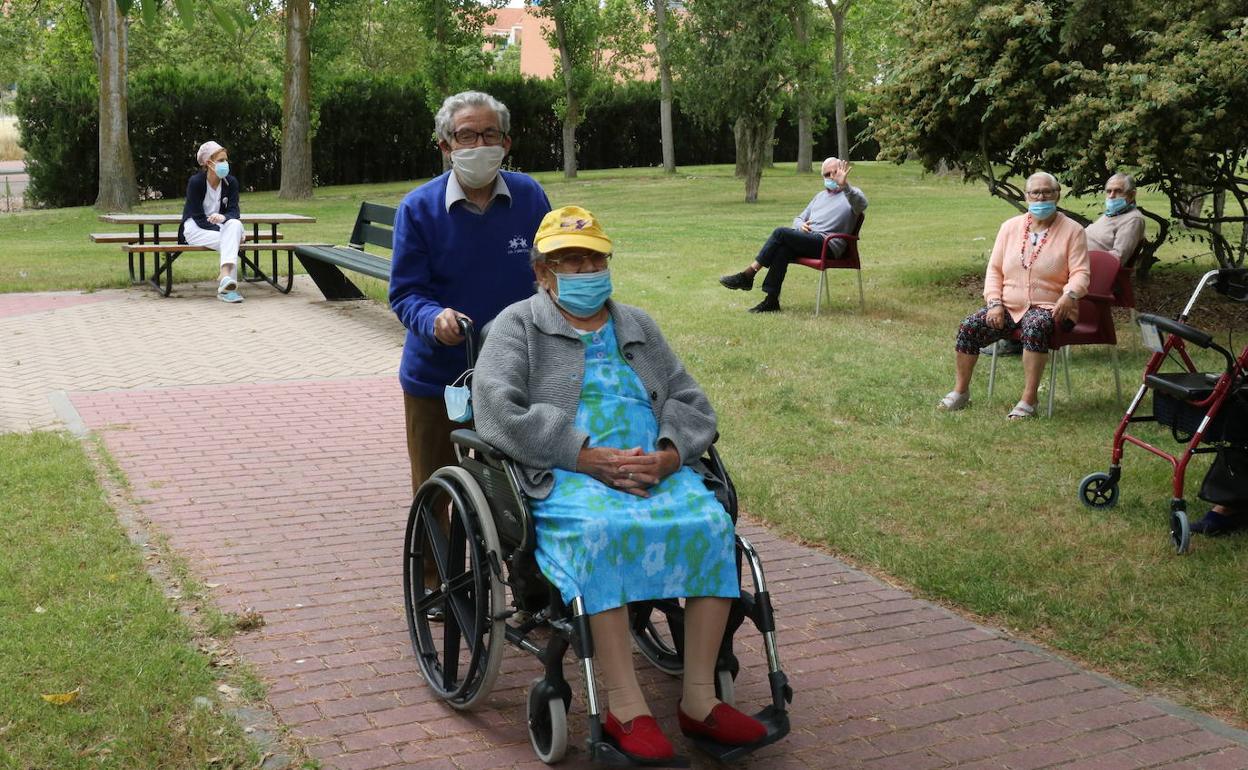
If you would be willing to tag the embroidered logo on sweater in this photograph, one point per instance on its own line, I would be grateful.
(517, 245)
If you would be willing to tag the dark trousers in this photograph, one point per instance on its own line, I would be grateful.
(429, 447)
(785, 245)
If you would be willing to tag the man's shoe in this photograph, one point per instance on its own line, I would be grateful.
(434, 613)
(723, 725)
(743, 281)
(769, 305)
(1215, 524)
(639, 737)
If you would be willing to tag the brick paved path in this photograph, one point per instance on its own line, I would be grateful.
(295, 506)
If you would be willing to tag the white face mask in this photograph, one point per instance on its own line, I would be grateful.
(476, 167)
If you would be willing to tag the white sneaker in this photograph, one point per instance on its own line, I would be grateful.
(227, 284)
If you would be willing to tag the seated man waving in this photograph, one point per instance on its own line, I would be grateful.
(834, 209)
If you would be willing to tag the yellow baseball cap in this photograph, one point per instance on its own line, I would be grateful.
(571, 227)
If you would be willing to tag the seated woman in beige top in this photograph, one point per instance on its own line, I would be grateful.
(1035, 277)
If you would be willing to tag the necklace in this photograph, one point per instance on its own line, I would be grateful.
(1022, 250)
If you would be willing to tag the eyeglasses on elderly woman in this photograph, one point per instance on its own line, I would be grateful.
(568, 260)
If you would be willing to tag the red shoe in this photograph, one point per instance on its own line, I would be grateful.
(723, 725)
(640, 737)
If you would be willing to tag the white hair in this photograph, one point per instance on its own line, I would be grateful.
(1127, 182)
(444, 121)
(1052, 179)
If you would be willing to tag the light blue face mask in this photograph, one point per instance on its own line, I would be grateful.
(458, 397)
(1115, 206)
(831, 185)
(222, 168)
(583, 294)
(1042, 209)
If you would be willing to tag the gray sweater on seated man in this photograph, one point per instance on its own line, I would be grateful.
(832, 213)
(1119, 235)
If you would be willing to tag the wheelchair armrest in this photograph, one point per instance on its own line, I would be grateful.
(468, 438)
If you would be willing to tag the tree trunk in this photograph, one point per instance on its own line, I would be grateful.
(117, 189)
(665, 86)
(755, 135)
(769, 149)
(572, 115)
(805, 133)
(839, 9)
(738, 141)
(296, 104)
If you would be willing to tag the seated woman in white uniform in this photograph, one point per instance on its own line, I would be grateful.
(211, 215)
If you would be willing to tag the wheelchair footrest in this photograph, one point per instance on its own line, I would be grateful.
(606, 753)
(775, 720)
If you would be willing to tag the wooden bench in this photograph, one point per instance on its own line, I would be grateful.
(166, 249)
(373, 226)
(164, 254)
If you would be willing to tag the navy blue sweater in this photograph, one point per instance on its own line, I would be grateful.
(196, 188)
(475, 263)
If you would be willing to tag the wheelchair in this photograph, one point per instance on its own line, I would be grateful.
(490, 592)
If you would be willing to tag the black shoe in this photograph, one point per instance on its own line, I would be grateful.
(768, 305)
(1215, 524)
(743, 280)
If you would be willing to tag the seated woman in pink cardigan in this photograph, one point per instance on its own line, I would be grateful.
(1035, 277)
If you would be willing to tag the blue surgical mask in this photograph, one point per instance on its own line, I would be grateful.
(222, 168)
(458, 397)
(1115, 206)
(1042, 209)
(831, 185)
(583, 294)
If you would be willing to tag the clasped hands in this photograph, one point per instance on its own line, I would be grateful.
(628, 470)
(1065, 308)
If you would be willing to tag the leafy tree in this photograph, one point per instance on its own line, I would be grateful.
(117, 187)
(368, 36)
(734, 66)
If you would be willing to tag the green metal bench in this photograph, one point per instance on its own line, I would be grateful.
(373, 226)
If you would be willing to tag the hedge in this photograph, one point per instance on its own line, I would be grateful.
(369, 128)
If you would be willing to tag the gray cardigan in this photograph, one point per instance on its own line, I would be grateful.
(527, 386)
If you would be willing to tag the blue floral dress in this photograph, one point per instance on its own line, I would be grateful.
(610, 547)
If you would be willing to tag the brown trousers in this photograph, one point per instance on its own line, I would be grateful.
(428, 448)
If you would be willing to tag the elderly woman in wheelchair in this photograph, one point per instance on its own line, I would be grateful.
(604, 435)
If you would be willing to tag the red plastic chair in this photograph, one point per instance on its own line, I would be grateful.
(847, 261)
(1095, 325)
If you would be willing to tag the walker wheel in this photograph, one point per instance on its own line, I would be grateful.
(548, 724)
(1098, 490)
(1180, 532)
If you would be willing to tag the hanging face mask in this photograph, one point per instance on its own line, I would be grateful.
(583, 294)
(222, 168)
(1115, 206)
(1042, 209)
(830, 185)
(458, 397)
(476, 167)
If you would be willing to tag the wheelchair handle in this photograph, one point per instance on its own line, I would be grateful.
(470, 340)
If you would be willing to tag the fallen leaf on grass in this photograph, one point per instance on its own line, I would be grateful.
(230, 693)
(61, 698)
(39, 610)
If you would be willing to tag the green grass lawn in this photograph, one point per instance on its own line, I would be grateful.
(80, 615)
(828, 424)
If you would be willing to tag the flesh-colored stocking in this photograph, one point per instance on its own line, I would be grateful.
(705, 620)
(613, 653)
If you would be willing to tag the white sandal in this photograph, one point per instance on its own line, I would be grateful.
(953, 401)
(1021, 411)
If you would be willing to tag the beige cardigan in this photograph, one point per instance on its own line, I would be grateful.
(1061, 267)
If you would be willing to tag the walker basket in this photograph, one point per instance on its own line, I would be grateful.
(1230, 426)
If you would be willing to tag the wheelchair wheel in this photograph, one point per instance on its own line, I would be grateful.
(1180, 532)
(658, 630)
(459, 656)
(548, 723)
(1098, 490)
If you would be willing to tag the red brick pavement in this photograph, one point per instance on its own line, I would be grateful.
(22, 304)
(291, 498)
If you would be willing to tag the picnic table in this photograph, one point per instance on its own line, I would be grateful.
(165, 248)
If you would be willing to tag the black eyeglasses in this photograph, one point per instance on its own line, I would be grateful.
(490, 136)
(577, 261)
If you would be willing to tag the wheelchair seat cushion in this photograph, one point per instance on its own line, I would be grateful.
(611, 547)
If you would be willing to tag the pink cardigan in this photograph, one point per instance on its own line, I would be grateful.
(1061, 267)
